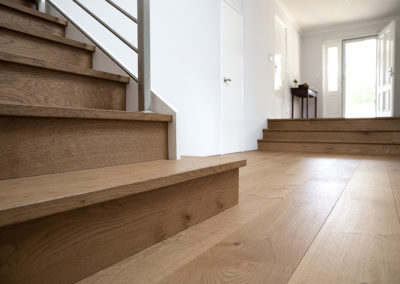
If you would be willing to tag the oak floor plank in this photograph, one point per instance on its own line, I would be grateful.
(267, 209)
(360, 242)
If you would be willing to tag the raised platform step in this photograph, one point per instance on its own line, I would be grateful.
(336, 124)
(367, 137)
(65, 227)
(45, 46)
(329, 147)
(15, 14)
(33, 81)
(44, 140)
(26, 3)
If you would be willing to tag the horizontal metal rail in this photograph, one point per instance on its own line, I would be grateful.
(131, 46)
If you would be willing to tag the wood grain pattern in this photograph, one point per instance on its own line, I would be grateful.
(360, 242)
(36, 146)
(29, 19)
(57, 112)
(336, 124)
(84, 188)
(26, 3)
(22, 84)
(336, 148)
(53, 66)
(25, 44)
(67, 247)
(382, 137)
(293, 192)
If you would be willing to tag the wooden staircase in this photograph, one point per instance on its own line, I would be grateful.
(375, 136)
(83, 183)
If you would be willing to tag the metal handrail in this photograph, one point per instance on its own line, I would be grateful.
(143, 49)
(116, 6)
(118, 35)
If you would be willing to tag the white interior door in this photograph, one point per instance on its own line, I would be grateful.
(385, 81)
(232, 101)
(280, 61)
(332, 83)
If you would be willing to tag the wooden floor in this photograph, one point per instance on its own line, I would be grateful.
(302, 218)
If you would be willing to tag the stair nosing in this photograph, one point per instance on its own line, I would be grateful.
(20, 110)
(62, 203)
(324, 142)
(66, 68)
(35, 13)
(50, 37)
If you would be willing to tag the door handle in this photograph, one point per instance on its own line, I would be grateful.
(227, 80)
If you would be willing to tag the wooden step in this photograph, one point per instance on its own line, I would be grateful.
(26, 80)
(99, 217)
(336, 124)
(44, 140)
(26, 3)
(367, 137)
(26, 18)
(329, 147)
(45, 46)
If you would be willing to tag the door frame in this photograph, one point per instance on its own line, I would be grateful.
(221, 121)
(344, 68)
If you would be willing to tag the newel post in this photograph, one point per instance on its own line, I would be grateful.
(143, 22)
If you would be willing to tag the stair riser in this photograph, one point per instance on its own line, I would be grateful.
(336, 125)
(70, 246)
(29, 22)
(23, 44)
(23, 84)
(38, 146)
(346, 137)
(26, 3)
(330, 148)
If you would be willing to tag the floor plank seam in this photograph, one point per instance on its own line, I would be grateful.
(326, 219)
(393, 194)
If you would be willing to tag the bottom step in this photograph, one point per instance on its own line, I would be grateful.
(65, 227)
(329, 147)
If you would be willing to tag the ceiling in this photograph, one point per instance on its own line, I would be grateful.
(311, 14)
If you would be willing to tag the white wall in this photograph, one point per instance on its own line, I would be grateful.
(186, 58)
(311, 50)
(260, 104)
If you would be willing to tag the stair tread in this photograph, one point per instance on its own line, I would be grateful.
(25, 60)
(325, 142)
(49, 37)
(25, 199)
(33, 12)
(62, 112)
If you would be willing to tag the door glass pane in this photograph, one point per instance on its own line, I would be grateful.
(360, 77)
(333, 69)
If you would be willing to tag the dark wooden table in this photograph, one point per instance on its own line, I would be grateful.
(304, 93)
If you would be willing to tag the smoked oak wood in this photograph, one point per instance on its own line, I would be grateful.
(360, 242)
(284, 200)
(382, 137)
(57, 112)
(45, 47)
(329, 147)
(36, 146)
(30, 19)
(25, 44)
(31, 85)
(27, 3)
(336, 124)
(25, 199)
(70, 246)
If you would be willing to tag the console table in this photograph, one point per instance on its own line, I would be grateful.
(304, 93)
